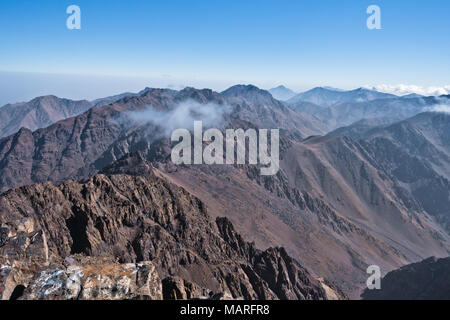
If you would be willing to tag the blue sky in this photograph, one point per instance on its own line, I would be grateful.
(217, 43)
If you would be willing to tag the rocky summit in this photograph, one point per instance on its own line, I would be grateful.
(119, 235)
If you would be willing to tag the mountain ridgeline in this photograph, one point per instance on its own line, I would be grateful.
(363, 180)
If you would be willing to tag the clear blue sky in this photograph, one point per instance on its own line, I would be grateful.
(266, 42)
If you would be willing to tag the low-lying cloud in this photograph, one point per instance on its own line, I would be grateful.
(404, 89)
(182, 116)
(441, 108)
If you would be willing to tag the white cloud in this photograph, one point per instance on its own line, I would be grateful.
(404, 89)
(181, 116)
(441, 108)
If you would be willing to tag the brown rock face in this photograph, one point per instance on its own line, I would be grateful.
(95, 280)
(135, 219)
(175, 288)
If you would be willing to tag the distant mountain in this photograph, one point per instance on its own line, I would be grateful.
(260, 108)
(44, 111)
(247, 90)
(412, 95)
(329, 97)
(38, 113)
(391, 110)
(311, 109)
(361, 128)
(282, 93)
(111, 99)
(425, 280)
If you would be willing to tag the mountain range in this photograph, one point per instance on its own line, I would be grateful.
(328, 97)
(346, 108)
(364, 179)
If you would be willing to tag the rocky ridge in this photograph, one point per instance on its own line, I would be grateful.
(124, 236)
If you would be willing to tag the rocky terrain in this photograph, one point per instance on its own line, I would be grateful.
(320, 209)
(375, 192)
(425, 280)
(124, 236)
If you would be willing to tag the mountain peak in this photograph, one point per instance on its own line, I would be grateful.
(200, 95)
(251, 93)
(281, 87)
(282, 93)
(49, 96)
(242, 88)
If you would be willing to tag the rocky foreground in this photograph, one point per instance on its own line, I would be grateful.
(128, 233)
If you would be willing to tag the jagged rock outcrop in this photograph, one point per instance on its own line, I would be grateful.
(86, 279)
(142, 224)
(176, 288)
(425, 280)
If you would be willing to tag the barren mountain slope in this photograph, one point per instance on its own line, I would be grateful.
(136, 219)
(329, 206)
